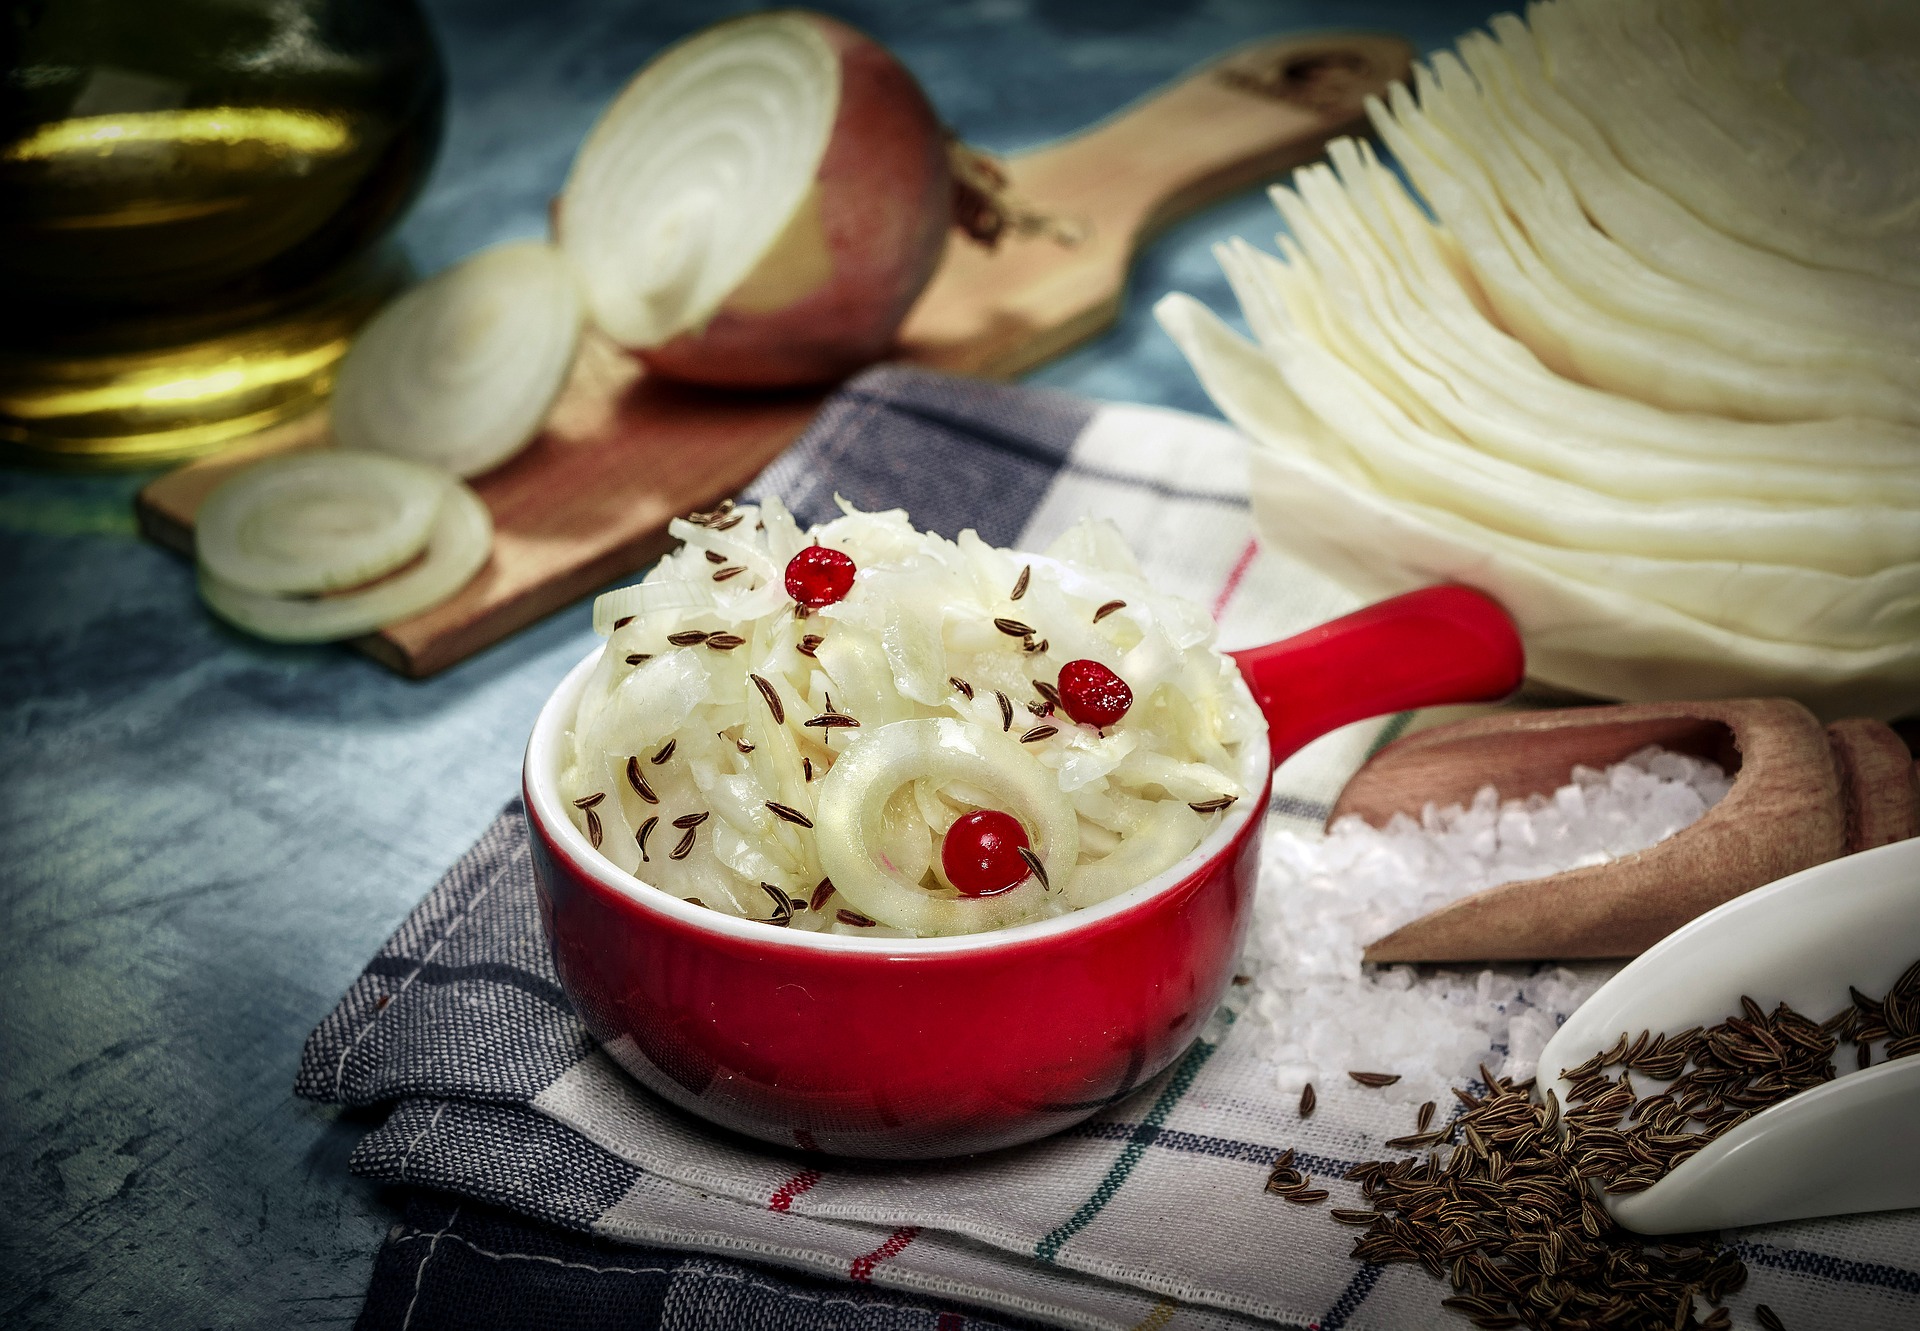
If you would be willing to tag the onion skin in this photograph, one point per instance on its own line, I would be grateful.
(830, 294)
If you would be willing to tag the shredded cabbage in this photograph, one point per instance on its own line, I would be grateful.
(693, 730)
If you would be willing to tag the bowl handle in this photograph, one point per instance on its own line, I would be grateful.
(1426, 648)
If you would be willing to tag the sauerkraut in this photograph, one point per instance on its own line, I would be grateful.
(800, 766)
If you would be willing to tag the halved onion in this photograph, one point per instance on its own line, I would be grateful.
(315, 522)
(456, 549)
(462, 370)
(654, 209)
(761, 205)
(850, 823)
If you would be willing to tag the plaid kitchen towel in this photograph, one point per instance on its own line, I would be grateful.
(457, 1263)
(1150, 1215)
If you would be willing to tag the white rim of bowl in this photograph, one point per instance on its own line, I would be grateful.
(541, 776)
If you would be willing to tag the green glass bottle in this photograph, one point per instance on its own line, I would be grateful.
(193, 196)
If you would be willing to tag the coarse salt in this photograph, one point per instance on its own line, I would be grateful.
(1315, 1010)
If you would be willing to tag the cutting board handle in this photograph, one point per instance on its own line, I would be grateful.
(1097, 196)
(591, 498)
(1194, 141)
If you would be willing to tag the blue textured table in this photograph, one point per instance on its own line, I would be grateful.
(203, 837)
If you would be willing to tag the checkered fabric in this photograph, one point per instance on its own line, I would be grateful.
(1150, 1215)
(454, 1262)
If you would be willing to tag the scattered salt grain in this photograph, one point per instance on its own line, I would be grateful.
(1317, 1011)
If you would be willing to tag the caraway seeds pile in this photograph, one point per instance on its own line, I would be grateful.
(1508, 1214)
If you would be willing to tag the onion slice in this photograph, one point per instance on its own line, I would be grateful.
(457, 548)
(462, 370)
(613, 609)
(316, 522)
(850, 828)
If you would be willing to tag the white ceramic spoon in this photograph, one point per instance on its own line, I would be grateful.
(1852, 1144)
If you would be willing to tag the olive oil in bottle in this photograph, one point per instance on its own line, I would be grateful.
(193, 196)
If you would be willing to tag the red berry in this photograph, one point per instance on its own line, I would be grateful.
(981, 853)
(1092, 694)
(819, 576)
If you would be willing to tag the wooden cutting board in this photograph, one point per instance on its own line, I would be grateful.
(589, 500)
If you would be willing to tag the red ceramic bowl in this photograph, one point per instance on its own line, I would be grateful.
(924, 1047)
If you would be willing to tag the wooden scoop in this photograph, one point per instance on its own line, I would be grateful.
(1802, 794)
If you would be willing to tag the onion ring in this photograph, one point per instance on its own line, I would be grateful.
(462, 370)
(458, 548)
(316, 521)
(853, 797)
